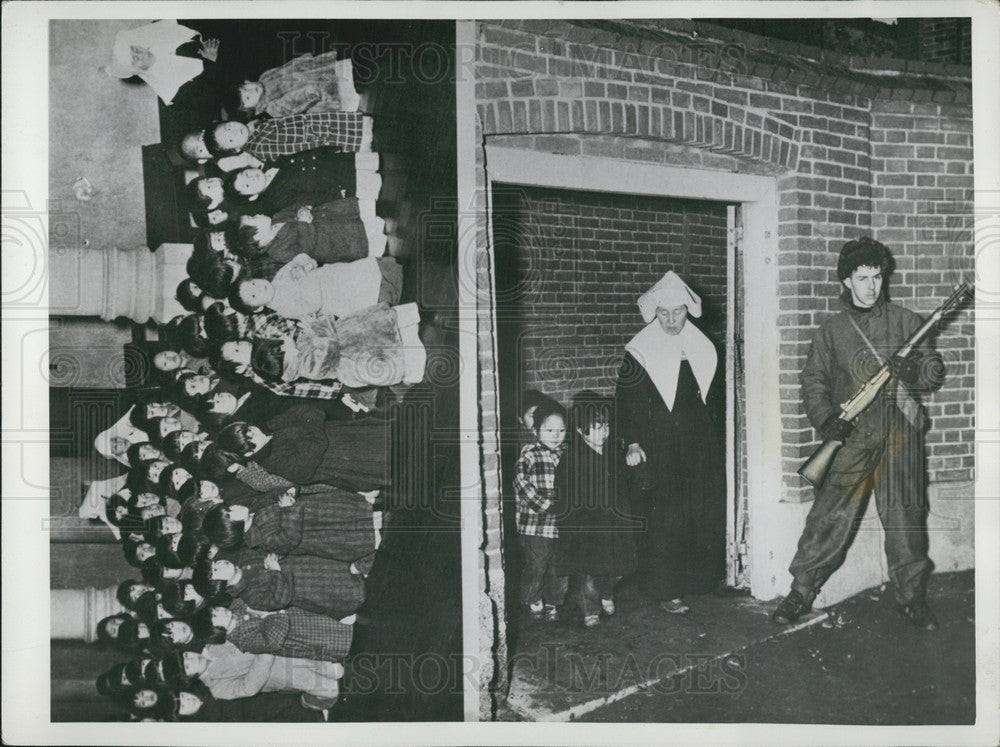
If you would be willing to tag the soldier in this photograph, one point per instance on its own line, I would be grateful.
(883, 447)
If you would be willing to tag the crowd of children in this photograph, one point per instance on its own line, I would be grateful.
(256, 470)
(573, 512)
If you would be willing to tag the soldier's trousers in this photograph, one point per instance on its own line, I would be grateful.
(895, 470)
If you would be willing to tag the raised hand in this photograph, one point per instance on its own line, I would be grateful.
(209, 50)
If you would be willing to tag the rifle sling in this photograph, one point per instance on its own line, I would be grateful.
(904, 400)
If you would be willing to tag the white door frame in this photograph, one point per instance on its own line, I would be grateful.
(757, 197)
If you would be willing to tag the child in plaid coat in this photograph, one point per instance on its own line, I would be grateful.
(534, 487)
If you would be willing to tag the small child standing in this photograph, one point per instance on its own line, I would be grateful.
(596, 546)
(542, 590)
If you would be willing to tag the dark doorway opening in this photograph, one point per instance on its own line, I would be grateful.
(570, 266)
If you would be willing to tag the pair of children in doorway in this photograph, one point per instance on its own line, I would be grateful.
(573, 515)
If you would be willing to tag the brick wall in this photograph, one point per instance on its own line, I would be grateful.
(922, 200)
(945, 39)
(582, 259)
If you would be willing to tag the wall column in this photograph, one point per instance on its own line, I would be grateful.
(111, 283)
(76, 612)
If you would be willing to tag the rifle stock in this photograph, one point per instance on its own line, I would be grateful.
(815, 468)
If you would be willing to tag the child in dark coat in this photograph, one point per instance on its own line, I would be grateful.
(317, 520)
(595, 543)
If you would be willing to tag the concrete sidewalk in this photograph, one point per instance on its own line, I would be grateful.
(725, 662)
(563, 670)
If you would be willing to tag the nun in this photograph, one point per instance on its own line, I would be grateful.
(116, 440)
(164, 54)
(667, 404)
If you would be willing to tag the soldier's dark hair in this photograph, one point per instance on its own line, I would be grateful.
(864, 252)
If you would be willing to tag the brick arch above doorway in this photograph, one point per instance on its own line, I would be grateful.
(608, 121)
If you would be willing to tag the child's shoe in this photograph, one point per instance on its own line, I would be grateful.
(536, 610)
(608, 605)
(551, 613)
(590, 621)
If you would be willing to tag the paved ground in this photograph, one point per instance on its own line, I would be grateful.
(862, 663)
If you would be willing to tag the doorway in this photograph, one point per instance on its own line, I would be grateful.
(570, 265)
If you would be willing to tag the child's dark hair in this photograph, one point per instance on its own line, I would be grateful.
(154, 432)
(208, 710)
(133, 502)
(118, 500)
(128, 633)
(232, 103)
(186, 400)
(109, 683)
(137, 479)
(212, 272)
(203, 627)
(130, 547)
(169, 335)
(141, 672)
(222, 325)
(210, 588)
(226, 368)
(172, 666)
(171, 445)
(194, 546)
(122, 594)
(165, 553)
(267, 358)
(225, 532)
(533, 398)
(166, 480)
(216, 462)
(154, 529)
(189, 490)
(152, 570)
(229, 185)
(203, 241)
(213, 144)
(138, 418)
(187, 295)
(235, 438)
(133, 455)
(190, 462)
(159, 633)
(162, 709)
(190, 334)
(544, 411)
(236, 300)
(197, 202)
(102, 633)
(213, 421)
(172, 598)
(192, 135)
(248, 242)
(202, 220)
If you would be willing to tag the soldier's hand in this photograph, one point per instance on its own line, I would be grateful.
(635, 455)
(271, 562)
(906, 369)
(835, 429)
